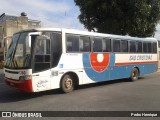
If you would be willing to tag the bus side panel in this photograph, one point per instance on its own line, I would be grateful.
(118, 72)
(120, 66)
(69, 63)
(147, 69)
(146, 63)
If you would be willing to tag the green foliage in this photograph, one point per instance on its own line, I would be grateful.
(123, 17)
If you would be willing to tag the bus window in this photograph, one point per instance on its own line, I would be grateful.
(97, 45)
(145, 47)
(124, 46)
(132, 46)
(106, 45)
(149, 47)
(56, 48)
(42, 52)
(139, 46)
(72, 43)
(154, 47)
(116, 45)
(85, 44)
(40, 47)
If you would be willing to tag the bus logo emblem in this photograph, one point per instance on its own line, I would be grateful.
(99, 62)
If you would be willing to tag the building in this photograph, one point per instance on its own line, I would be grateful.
(9, 24)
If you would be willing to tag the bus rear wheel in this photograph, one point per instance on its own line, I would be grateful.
(67, 84)
(134, 74)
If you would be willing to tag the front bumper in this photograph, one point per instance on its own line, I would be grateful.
(23, 85)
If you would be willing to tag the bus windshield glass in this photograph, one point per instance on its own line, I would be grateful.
(19, 52)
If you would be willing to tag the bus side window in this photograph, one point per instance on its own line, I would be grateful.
(72, 43)
(139, 46)
(85, 45)
(124, 46)
(56, 51)
(154, 47)
(149, 47)
(97, 45)
(106, 45)
(116, 46)
(145, 47)
(132, 46)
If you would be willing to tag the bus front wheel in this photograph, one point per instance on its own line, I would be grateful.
(67, 84)
(134, 74)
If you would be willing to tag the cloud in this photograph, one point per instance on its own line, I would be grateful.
(33, 6)
(52, 13)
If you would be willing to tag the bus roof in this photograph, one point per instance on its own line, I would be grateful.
(74, 31)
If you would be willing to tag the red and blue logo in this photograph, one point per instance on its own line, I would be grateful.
(96, 65)
(99, 62)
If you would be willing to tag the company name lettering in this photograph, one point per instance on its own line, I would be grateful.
(140, 57)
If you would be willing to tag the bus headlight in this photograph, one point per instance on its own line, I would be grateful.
(26, 77)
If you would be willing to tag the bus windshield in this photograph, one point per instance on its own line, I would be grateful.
(19, 52)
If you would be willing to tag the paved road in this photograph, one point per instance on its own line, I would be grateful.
(141, 95)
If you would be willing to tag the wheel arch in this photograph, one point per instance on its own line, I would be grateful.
(137, 69)
(74, 75)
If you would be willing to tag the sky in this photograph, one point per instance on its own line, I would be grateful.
(51, 13)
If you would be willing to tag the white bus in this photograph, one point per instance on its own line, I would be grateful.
(44, 59)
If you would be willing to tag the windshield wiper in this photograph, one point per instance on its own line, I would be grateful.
(27, 59)
(11, 61)
(14, 51)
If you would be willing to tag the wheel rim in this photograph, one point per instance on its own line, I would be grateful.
(68, 83)
(135, 74)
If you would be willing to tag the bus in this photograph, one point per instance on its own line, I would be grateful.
(50, 58)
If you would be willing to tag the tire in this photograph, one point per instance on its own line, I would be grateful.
(134, 74)
(67, 84)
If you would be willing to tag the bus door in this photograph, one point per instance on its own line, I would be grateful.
(41, 63)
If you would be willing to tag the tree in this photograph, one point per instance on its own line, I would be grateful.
(123, 17)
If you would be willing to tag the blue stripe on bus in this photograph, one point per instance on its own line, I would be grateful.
(114, 72)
